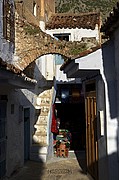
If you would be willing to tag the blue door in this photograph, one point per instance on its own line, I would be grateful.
(3, 106)
(26, 133)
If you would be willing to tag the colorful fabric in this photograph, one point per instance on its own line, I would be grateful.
(54, 128)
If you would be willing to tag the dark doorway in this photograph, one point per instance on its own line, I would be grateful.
(72, 117)
(26, 133)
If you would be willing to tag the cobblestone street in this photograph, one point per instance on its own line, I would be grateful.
(54, 169)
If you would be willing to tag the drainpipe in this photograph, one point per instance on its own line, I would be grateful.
(42, 15)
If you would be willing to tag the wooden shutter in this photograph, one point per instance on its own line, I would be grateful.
(8, 20)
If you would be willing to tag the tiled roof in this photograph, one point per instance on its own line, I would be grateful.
(84, 53)
(11, 68)
(110, 23)
(83, 20)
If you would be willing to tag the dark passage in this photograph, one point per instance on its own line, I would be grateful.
(72, 117)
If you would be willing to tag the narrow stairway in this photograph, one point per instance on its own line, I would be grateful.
(40, 145)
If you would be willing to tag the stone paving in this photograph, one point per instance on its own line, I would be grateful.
(54, 169)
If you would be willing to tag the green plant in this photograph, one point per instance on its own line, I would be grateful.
(81, 6)
(31, 30)
(76, 50)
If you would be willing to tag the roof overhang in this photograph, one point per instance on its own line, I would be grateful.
(12, 80)
(85, 67)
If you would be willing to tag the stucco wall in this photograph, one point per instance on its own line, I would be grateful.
(104, 60)
(107, 104)
(109, 76)
(76, 34)
(15, 126)
(116, 38)
(116, 41)
(101, 135)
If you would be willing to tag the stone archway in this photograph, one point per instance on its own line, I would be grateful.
(31, 42)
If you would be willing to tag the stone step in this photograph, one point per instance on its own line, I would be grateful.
(38, 157)
(37, 148)
(38, 153)
(41, 124)
(40, 134)
(40, 127)
(43, 101)
(40, 139)
(42, 118)
(46, 93)
(42, 121)
(44, 109)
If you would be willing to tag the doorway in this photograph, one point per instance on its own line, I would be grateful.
(3, 141)
(72, 118)
(26, 134)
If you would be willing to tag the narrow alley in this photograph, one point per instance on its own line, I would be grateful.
(59, 91)
(55, 169)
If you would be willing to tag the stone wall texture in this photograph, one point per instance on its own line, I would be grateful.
(31, 42)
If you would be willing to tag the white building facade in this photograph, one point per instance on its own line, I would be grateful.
(101, 67)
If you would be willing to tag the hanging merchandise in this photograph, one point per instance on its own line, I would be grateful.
(54, 128)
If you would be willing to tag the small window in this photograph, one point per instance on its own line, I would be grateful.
(62, 37)
(34, 9)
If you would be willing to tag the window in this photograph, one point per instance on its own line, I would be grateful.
(62, 36)
(34, 9)
(8, 20)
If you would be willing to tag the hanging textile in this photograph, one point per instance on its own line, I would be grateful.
(54, 128)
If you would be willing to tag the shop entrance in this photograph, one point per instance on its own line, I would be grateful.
(72, 118)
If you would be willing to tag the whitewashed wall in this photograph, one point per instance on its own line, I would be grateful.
(116, 45)
(76, 34)
(47, 66)
(103, 59)
(15, 126)
(108, 72)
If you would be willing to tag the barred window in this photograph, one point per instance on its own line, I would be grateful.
(8, 20)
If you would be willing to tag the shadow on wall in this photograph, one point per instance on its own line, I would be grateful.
(105, 175)
(81, 158)
(30, 169)
(110, 75)
(33, 71)
(108, 164)
(28, 100)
